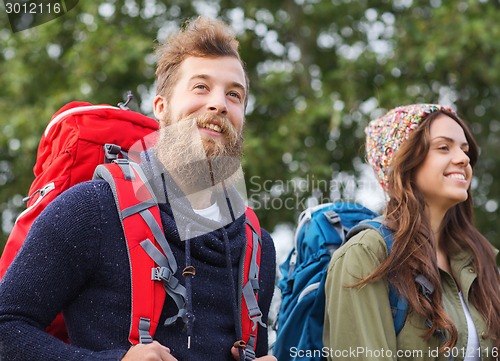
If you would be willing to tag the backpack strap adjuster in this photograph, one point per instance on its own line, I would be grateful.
(334, 219)
(144, 331)
(126, 168)
(249, 354)
(249, 350)
(426, 286)
(111, 152)
(164, 274)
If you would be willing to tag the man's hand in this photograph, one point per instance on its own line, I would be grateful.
(236, 356)
(149, 352)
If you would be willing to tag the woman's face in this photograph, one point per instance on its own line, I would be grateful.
(445, 174)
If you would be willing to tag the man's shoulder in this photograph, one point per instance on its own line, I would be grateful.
(94, 187)
(267, 240)
(85, 195)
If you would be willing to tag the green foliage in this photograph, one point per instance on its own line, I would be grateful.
(319, 71)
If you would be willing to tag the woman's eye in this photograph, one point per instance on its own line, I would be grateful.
(201, 86)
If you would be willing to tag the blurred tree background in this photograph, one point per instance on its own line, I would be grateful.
(319, 71)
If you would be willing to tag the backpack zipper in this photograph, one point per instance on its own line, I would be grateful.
(42, 191)
(70, 111)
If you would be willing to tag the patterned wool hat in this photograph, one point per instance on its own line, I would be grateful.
(385, 135)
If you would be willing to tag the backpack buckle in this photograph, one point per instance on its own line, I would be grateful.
(426, 286)
(111, 152)
(164, 274)
(161, 274)
(332, 217)
(256, 317)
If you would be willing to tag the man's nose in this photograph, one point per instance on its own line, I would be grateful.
(217, 103)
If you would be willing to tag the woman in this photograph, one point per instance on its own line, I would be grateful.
(423, 155)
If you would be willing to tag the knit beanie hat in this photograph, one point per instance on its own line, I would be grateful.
(385, 135)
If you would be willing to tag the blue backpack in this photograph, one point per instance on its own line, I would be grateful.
(321, 230)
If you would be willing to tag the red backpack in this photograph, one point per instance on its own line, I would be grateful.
(71, 147)
(78, 141)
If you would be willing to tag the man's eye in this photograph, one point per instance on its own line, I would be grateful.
(235, 94)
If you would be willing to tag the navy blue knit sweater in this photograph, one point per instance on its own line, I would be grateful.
(75, 260)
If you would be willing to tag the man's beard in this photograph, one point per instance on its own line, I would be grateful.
(198, 163)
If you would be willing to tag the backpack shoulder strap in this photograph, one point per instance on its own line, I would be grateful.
(399, 305)
(150, 256)
(250, 311)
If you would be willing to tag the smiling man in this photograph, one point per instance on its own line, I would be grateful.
(75, 258)
(204, 111)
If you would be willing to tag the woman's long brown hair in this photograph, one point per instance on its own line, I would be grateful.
(414, 250)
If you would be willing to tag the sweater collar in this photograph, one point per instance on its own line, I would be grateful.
(181, 222)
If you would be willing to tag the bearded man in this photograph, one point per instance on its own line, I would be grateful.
(77, 249)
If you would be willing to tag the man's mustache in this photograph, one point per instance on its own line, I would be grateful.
(203, 120)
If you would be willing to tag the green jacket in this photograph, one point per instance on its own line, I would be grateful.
(358, 321)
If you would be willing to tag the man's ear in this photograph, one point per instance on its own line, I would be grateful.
(160, 108)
